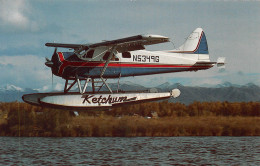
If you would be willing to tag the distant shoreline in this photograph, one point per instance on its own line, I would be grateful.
(143, 120)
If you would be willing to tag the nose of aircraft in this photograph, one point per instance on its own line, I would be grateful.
(48, 63)
(53, 63)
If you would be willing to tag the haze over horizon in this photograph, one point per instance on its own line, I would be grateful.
(231, 28)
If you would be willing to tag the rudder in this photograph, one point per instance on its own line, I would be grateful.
(196, 43)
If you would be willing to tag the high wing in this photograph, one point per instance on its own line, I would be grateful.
(74, 46)
(121, 45)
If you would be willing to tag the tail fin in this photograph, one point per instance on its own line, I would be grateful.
(196, 43)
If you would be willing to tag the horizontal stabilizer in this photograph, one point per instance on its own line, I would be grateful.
(221, 62)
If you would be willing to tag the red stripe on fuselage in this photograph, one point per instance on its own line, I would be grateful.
(66, 63)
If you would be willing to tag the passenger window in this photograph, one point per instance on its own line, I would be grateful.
(126, 55)
(105, 57)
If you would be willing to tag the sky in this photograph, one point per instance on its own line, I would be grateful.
(232, 29)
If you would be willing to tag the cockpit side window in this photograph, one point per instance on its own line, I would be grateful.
(126, 55)
(89, 54)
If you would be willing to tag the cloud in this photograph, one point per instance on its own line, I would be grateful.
(26, 71)
(58, 87)
(12, 12)
(230, 28)
(14, 16)
(206, 82)
(201, 78)
(51, 87)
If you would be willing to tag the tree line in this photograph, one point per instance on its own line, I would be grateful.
(167, 109)
(173, 119)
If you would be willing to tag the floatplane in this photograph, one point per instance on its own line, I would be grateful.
(95, 63)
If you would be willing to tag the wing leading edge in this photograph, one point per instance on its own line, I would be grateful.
(124, 44)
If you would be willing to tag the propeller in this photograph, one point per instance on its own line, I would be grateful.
(48, 62)
(52, 81)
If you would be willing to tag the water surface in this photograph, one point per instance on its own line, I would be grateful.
(130, 151)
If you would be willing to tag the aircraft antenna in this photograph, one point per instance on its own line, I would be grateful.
(173, 44)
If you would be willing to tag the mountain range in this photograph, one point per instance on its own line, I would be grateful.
(11, 93)
(222, 92)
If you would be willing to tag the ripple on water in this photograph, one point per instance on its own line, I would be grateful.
(130, 151)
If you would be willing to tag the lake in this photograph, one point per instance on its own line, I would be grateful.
(130, 151)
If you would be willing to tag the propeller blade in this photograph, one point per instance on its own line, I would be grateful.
(52, 81)
(55, 51)
(47, 59)
(49, 63)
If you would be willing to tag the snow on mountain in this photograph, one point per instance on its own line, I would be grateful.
(9, 87)
(165, 85)
(227, 84)
(226, 92)
(129, 83)
(10, 93)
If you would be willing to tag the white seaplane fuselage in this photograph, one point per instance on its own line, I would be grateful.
(137, 63)
(191, 56)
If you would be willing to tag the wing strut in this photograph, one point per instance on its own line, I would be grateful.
(78, 80)
(66, 88)
(105, 67)
(118, 82)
